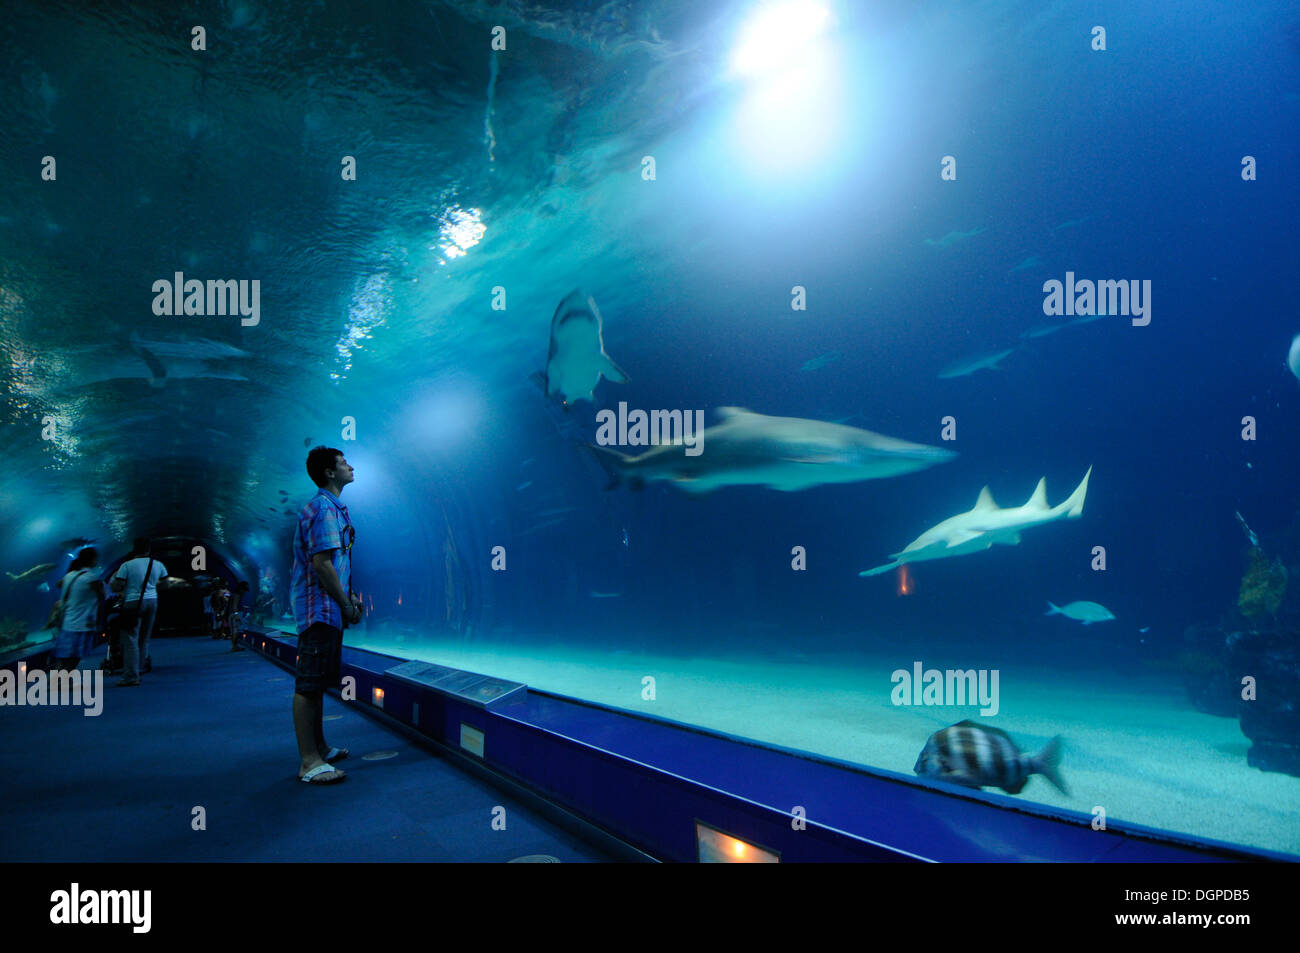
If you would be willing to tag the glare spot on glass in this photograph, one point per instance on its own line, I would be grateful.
(370, 304)
(461, 229)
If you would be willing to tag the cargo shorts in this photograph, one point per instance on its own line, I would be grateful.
(320, 651)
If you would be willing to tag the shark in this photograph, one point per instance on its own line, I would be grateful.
(977, 362)
(35, 572)
(952, 238)
(577, 360)
(985, 524)
(781, 453)
(1033, 261)
(1293, 358)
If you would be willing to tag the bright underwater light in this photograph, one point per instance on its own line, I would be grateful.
(792, 113)
(778, 35)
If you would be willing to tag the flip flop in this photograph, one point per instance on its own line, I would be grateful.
(314, 775)
(336, 754)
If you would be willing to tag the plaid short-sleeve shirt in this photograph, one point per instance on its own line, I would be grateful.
(323, 525)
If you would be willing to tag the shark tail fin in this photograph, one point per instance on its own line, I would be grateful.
(613, 463)
(612, 371)
(1047, 763)
(1053, 610)
(1074, 505)
(879, 569)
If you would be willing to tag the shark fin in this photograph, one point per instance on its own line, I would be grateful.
(612, 371)
(726, 413)
(612, 462)
(879, 569)
(1074, 505)
(986, 501)
(1038, 500)
(963, 537)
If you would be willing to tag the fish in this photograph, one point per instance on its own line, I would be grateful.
(978, 756)
(1033, 261)
(76, 542)
(577, 360)
(523, 486)
(1293, 357)
(1072, 223)
(43, 587)
(39, 569)
(781, 453)
(978, 362)
(1085, 612)
(604, 595)
(985, 524)
(819, 362)
(952, 238)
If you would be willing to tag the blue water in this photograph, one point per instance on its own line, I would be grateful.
(376, 305)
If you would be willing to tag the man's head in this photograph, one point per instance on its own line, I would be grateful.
(326, 465)
(141, 546)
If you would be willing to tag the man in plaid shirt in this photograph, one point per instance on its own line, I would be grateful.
(323, 605)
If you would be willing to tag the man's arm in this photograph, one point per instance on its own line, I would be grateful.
(329, 579)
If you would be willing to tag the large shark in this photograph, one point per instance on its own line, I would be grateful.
(985, 524)
(978, 362)
(577, 357)
(783, 453)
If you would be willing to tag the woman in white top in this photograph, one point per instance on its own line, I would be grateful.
(81, 591)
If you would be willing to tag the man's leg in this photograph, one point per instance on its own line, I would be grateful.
(131, 653)
(306, 724)
(148, 614)
(308, 702)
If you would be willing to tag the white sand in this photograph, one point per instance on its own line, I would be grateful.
(1134, 745)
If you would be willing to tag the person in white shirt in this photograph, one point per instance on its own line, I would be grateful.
(137, 579)
(81, 591)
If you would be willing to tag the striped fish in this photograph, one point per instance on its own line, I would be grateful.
(978, 756)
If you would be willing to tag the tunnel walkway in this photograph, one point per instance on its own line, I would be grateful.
(212, 729)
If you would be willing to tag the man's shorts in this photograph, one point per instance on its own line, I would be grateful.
(320, 649)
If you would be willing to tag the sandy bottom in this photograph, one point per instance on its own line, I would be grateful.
(1133, 744)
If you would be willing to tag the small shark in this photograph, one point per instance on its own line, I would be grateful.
(577, 359)
(1033, 261)
(782, 453)
(979, 362)
(38, 570)
(820, 362)
(952, 238)
(1071, 223)
(1085, 612)
(985, 524)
